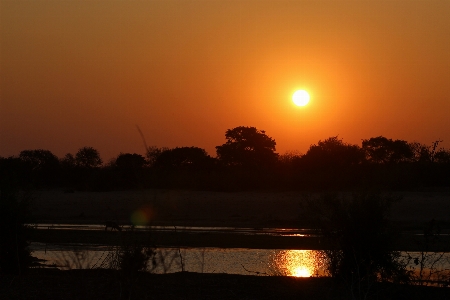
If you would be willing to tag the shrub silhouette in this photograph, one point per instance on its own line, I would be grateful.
(333, 153)
(248, 147)
(88, 157)
(246, 161)
(384, 150)
(129, 161)
(152, 154)
(331, 164)
(40, 166)
(129, 168)
(359, 237)
(15, 256)
(193, 158)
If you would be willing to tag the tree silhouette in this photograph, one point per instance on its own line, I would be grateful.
(128, 161)
(130, 168)
(15, 213)
(384, 150)
(332, 153)
(430, 154)
(68, 161)
(247, 146)
(184, 157)
(12, 170)
(359, 234)
(39, 159)
(40, 166)
(442, 156)
(88, 157)
(329, 164)
(153, 153)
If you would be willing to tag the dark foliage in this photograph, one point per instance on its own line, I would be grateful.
(247, 147)
(383, 150)
(128, 161)
(359, 237)
(153, 153)
(103, 284)
(12, 169)
(192, 158)
(88, 157)
(333, 153)
(68, 162)
(15, 255)
(331, 164)
(40, 167)
(247, 161)
(129, 167)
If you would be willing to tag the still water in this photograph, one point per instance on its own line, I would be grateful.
(301, 263)
(197, 229)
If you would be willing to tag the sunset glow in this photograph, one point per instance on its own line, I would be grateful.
(85, 73)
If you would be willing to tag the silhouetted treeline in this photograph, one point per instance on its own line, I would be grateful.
(247, 160)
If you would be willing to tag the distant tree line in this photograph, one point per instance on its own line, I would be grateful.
(247, 160)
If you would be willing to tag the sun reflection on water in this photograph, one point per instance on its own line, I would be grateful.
(298, 263)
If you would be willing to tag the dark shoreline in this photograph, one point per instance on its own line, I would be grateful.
(405, 242)
(108, 284)
(187, 208)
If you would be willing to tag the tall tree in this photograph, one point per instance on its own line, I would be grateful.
(333, 152)
(383, 150)
(88, 157)
(247, 146)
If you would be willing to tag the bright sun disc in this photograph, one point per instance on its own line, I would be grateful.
(300, 98)
(301, 271)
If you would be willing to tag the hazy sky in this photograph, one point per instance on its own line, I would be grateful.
(85, 73)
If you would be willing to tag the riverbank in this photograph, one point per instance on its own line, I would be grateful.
(108, 284)
(229, 239)
(204, 208)
(256, 210)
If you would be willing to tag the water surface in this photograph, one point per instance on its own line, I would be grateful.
(241, 261)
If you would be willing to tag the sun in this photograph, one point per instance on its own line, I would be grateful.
(301, 271)
(300, 98)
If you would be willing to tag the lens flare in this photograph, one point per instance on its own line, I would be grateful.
(142, 216)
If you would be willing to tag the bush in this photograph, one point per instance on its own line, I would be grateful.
(15, 255)
(359, 237)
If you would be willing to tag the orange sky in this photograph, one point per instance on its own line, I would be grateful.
(85, 73)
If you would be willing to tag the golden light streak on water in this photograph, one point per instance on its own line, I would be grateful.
(298, 263)
(301, 272)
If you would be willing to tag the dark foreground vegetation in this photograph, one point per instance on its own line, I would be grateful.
(360, 255)
(246, 161)
(359, 258)
(107, 284)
